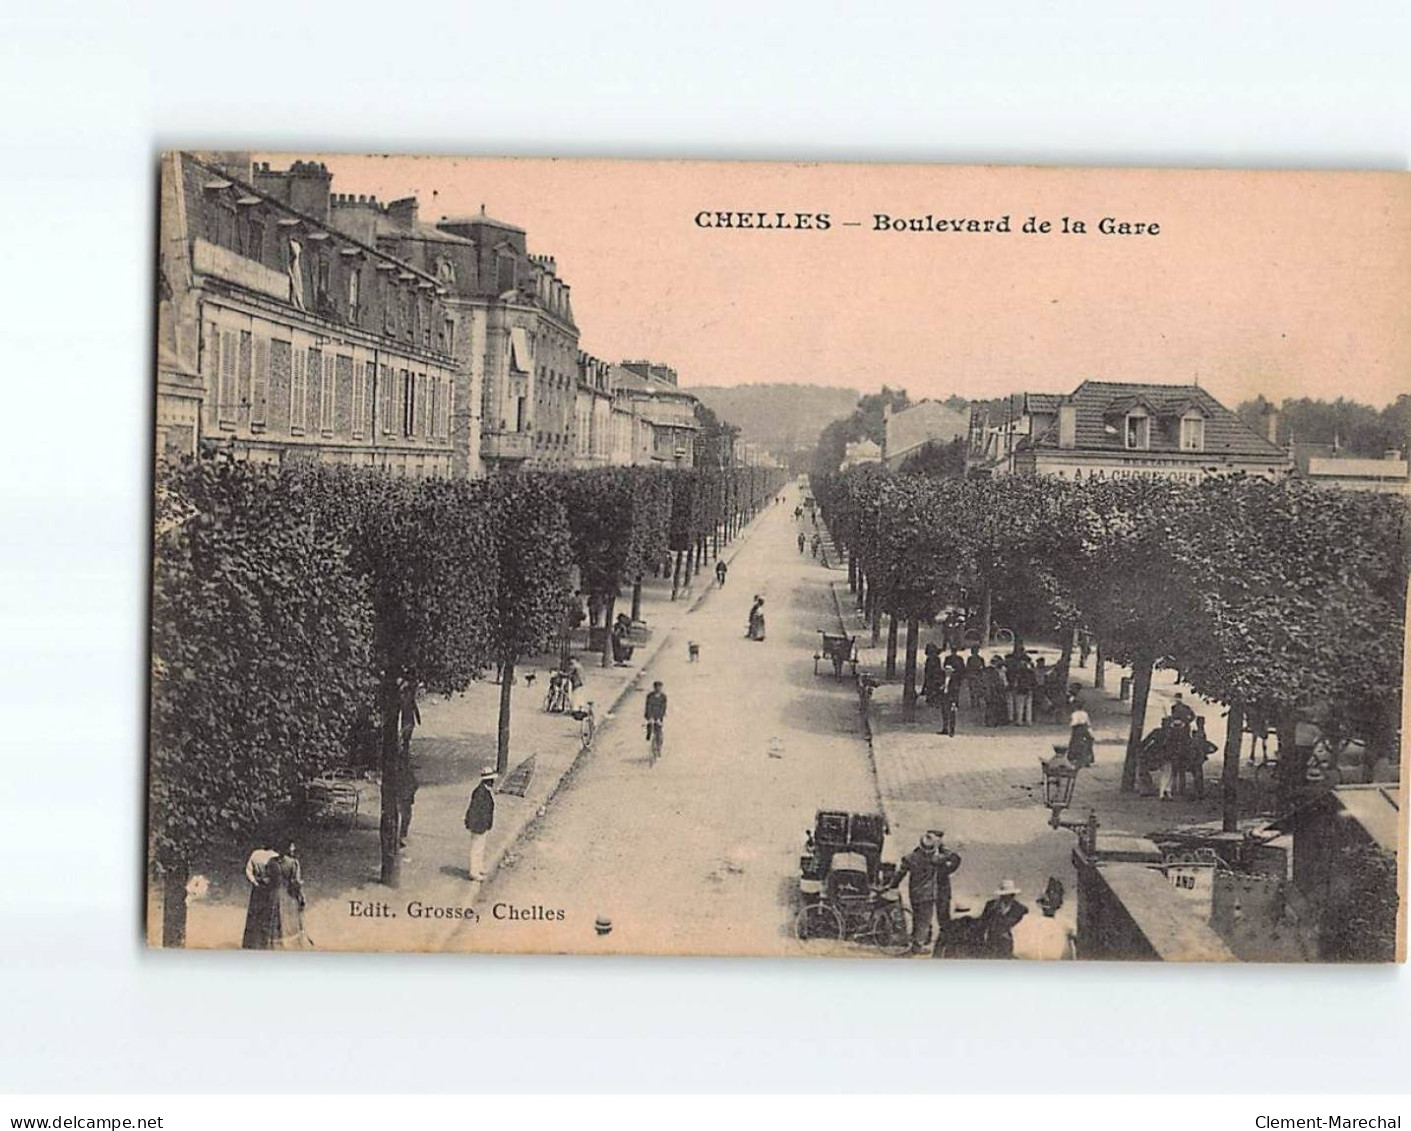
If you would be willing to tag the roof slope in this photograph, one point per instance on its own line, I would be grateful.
(1096, 402)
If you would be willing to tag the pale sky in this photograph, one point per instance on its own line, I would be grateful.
(1289, 284)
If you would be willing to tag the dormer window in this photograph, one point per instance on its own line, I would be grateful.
(1138, 431)
(1192, 432)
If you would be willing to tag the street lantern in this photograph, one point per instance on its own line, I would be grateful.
(1060, 776)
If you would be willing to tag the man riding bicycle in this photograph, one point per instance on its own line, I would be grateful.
(656, 717)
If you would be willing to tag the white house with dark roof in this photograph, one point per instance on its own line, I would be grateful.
(1123, 429)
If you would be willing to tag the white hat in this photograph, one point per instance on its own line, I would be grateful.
(488, 772)
(1007, 887)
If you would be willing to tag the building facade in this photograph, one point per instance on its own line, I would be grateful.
(282, 338)
(593, 426)
(664, 428)
(1117, 430)
(911, 429)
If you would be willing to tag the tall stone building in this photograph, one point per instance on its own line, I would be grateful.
(510, 326)
(280, 337)
(524, 347)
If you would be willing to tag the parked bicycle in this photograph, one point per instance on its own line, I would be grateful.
(587, 725)
(654, 738)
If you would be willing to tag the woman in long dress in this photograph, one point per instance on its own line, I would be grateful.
(275, 918)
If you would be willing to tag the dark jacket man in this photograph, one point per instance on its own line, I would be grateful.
(480, 815)
(928, 868)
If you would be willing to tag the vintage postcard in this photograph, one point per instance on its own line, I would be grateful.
(792, 560)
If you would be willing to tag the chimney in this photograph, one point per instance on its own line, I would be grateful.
(1067, 425)
(403, 213)
(309, 183)
(1271, 424)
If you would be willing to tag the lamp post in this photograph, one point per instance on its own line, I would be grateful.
(1060, 777)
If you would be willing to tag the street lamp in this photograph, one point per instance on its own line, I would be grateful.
(1060, 777)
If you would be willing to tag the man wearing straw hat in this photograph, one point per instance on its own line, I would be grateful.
(479, 820)
(999, 918)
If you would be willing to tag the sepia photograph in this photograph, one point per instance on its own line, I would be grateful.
(854, 561)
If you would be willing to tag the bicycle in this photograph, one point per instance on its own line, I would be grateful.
(654, 739)
(587, 725)
(878, 922)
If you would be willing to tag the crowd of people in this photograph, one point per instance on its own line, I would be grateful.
(1009, 690)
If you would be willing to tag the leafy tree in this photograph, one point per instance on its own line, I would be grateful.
(937, 460)
(532, 543)
(428, 552)
(261, 647)
(618, 520)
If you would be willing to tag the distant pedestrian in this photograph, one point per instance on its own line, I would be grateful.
(755, 630)
(927, 869)
(720, 571)
(955, 673)
(479, 820)
(802, 541)
(410, 715)
(814, 543)
(1257, 725)
(1042, 703)
(1182, 720)
(1198, 751)
(1080, 737)
(998, 920)
(950, 700)
(996, 694)
(933, 677)
(1021, 693)
(406, 798)
(574, 671)
(1085, 647)
(975, 677)
(275, 917)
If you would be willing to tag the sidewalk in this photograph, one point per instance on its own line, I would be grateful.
(348, 908)
(984, 786)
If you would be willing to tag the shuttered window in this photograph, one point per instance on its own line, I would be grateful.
(389, 400)
(327, 392)
(259, 384)
(298, 392)
(226, 398)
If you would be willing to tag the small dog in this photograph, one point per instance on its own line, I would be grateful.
(693, 651)
(529, 679)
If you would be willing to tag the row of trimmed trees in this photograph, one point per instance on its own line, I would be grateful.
(296, 608)
(1273, 599)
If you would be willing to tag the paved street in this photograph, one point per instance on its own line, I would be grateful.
(699, 854)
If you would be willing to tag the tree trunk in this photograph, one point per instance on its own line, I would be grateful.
(1065, 658)
(607, 635)
(852, 574)
(688, 569)
(676, 575)
(1230, 769)
(1291, 763)
(1099, 666)
(1142, 664)
(908, 691)
(389, 827)
(715, 535)
(502, 737)
(986, 615)
(637, 598)
(876, 620)
(174, 904)
(892, 647)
